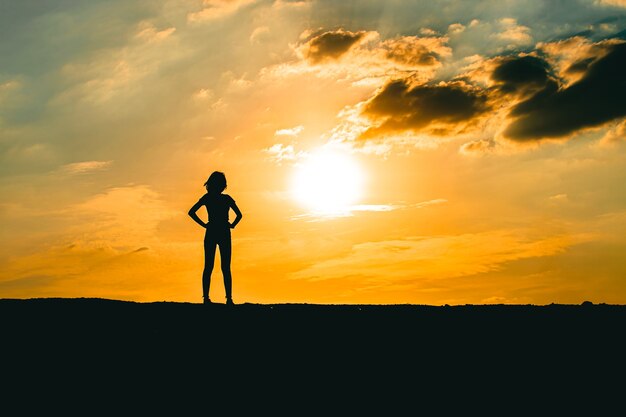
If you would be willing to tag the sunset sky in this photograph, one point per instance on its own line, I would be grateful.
(384, 152)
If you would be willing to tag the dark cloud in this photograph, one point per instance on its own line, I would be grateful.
(553, 112)
(402, 107)
(420, 55)
(415, 51)
(331, 45)
(515, 73)
(542, 101)
(581, 65)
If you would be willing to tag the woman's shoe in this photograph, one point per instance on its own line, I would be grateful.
(229, 302)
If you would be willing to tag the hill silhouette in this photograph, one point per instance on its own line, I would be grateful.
(307, 351)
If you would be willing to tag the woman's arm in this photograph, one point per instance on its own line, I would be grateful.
(237, 212)
(194, 216)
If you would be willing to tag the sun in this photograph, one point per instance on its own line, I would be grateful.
(327, 182)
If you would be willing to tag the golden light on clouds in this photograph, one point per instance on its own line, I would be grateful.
(391, 152)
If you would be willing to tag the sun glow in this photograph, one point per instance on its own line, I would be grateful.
(327, 182)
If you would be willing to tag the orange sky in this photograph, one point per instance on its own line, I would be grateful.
(380, 152)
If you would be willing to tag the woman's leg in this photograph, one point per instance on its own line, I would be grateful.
(225, 255)
(209, 260)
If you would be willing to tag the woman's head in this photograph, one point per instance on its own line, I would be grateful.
(216, 183)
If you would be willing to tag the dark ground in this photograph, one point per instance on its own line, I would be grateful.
(327, 358)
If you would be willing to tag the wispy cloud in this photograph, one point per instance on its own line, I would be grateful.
(216, 9)
(514, 33)
(149, 32)
(614, 135)
(279, 152)
(107, 246)
(122, 215)
(258, 34)
(438, 257)
(316, 216)
(294, 131)
(85, 167)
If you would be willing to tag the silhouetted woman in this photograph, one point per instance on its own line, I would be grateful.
(218, 227)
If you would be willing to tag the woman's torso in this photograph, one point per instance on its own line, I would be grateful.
(217, 206)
